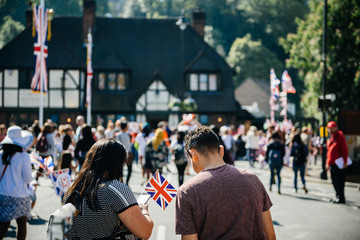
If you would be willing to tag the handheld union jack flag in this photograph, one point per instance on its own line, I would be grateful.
(40, 50)
(160, 190)
(36, 160)
(49, 165)
(62, 181)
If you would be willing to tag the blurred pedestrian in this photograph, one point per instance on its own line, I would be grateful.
(3, 131)
(141, 139)
(251, 145)
(15, 170)
(156, 152)
(124, 137)
(68, 140)
(79, 122)
(178, 155)
(100, 132)
(84, 144)
(298, 154)
(105, 207)
(227, 154)
(337, 150)
(66, 162)
(275, 153)
(221, 202)
(109, 131)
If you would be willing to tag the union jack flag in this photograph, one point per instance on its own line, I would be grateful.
(160, 190)
(89, 70)
(40, 48)
(36, 160)
(274, 84)
(286, 83)
(48, 165)
(62, 181)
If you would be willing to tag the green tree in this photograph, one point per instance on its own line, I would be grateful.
(305, 48)
(9, 30)
(251, 59)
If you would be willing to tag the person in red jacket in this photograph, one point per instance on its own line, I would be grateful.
(337, 149)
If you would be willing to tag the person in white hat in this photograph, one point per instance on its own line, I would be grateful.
(15, 175)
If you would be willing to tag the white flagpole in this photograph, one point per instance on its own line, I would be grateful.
(89, 78)
(42, 74)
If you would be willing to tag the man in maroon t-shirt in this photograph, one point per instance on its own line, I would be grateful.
(337, 149)
(221, 202)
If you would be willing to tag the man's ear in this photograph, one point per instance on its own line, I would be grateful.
(194, 155)
(222, 150)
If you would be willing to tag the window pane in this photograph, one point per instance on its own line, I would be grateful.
(56, 100)
(111, 81)
(121, 81)
(11, 78)
(0, 98)
(29, 99)
(10, 98)
(193, 82)
(1, 74)
(55, 78)
(203, 82)
(212, 82)
(72, 79)
(71, 98)
(102, 78)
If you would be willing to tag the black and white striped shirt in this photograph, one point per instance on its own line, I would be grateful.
(114, 197)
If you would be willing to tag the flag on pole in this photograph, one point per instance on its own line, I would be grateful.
(40, 50)
(62, 181)
(89, 70)
(274, 84)
(160, 190)
(286, 83)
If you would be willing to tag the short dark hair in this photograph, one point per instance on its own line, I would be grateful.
(123, 125)
(203, 140)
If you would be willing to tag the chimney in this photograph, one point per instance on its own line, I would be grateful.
(198, 22)
(88, 18)
(29, 15)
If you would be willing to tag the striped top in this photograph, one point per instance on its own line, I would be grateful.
(114, 197)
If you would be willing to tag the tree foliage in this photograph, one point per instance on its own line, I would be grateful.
(9, 30)
(305, 49)
(251, 59)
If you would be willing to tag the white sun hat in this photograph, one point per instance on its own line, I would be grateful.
(18, 137)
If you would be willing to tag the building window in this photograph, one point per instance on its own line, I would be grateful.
(203, 82)
(112, 81)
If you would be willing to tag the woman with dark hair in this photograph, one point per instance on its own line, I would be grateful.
(48, 147)
(15, 170)
(298, 155)
(84, 144)
(65, 161)
(105, 207)
(178, 155)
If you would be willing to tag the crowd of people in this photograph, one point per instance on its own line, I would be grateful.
(96, 156)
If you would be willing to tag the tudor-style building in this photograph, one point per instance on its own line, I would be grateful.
(139, 66)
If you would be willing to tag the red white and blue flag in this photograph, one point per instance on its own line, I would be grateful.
(49, 165)
(36, 160)
(89, 70)
(40, 50)
(160, 190)
(274, 84)
(62, 181)
(286, 83)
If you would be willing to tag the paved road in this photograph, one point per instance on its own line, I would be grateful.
(295, 216)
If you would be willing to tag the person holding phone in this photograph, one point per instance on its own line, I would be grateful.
(105, 207)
